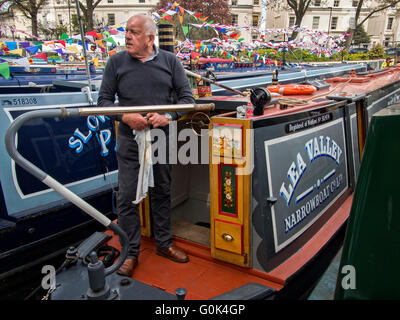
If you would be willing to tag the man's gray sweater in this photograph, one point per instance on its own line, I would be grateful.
(158, 81)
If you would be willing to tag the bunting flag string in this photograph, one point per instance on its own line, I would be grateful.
(108, 37)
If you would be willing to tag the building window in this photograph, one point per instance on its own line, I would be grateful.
(386, 42)
(352, 23)
(111, 19)
(255, 20)
(142, 1)
(234, 2)
(291, 21)
(336, 3)
(254, 36)
(317, 3)
(234, 19)
(256, 2)
(390, 23)
(315, 22)
(110, 1)
(60, 19)
(334, 23)
(355, 3)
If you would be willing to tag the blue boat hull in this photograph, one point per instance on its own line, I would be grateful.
(78, 152)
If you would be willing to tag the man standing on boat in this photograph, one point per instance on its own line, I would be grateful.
(143, 75)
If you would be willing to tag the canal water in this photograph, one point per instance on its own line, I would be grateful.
(325, 289)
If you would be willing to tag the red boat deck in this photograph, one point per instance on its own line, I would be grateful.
(205, 277)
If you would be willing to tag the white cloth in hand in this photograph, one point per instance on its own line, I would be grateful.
(145, 178)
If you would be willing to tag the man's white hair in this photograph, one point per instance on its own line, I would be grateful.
(148, 23)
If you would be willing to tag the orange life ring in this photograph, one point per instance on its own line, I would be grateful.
(292, 89)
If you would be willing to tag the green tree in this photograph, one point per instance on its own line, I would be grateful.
(377, 52)
(360, 36)
(30, 10)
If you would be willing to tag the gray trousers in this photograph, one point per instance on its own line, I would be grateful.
(160, 197)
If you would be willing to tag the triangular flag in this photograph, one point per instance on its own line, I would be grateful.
(110, 53)
(64, 36)
(62, 42)
(23, 62)
(16, 51)
(111, 40)
(11, 45)
(73, 48)
(60, 51)
(41, 55)
(168, 18)
(95, 62)
(24, 44)
(32, 50)
(92, 33)
(5, 70)
(100, 43)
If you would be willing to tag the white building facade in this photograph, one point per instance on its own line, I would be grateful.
(332, 16)
(112, 12)
(336, 16)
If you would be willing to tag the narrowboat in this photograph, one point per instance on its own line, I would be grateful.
(262, 208)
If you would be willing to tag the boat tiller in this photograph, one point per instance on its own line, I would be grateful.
(259, 97)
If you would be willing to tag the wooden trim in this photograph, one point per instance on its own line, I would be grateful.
(243, 192)
(145, 220)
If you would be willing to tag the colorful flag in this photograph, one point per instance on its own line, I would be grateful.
(5, 70)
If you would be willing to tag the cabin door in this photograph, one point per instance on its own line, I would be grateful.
(230, 188)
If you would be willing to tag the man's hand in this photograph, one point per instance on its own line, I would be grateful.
(135, 121)
(157, 120)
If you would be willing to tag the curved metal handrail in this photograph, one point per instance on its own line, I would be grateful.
(10, 143)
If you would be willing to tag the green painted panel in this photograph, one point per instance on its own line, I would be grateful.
(370, 263)
(228, 189)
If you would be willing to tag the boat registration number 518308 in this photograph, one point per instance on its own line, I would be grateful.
(24, 101)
